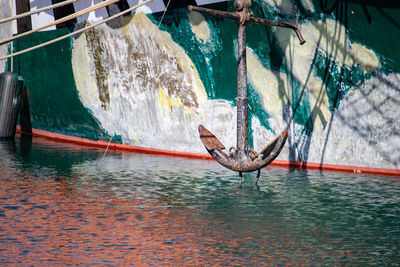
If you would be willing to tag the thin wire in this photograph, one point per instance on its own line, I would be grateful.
(108, 145)
(112, 137)
(165, 11)
(76, 32)
(72, 16)
(158, 28)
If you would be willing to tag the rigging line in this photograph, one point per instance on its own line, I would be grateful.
(77, 31)
(108, 145)
(158, 28)
(37, 11)
(69, 17)
(165, 11)
(112, 137)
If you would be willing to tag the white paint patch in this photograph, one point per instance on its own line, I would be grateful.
(199, 26)
(271, 86)
(150, 79)
(365, 58)
(299, 62)
(331, 38)
(365, 130)
(85, 74)
(42, 18)
(328, 37)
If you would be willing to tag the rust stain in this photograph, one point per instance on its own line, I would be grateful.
(97, 50)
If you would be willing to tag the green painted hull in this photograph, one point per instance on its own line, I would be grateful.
(334, 96)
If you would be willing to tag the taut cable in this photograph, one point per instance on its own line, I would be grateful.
(76, 32)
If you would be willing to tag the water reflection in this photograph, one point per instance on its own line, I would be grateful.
(65, 204)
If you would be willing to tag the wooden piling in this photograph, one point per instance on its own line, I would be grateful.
(11, 86)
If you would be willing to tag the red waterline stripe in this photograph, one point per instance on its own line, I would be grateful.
(334, 167)
(112, 146)
(276, 163)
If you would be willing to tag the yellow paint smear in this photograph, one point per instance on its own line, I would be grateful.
(165, 100)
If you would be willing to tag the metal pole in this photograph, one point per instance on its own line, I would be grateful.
(242, 120)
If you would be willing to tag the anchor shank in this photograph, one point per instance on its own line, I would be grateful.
(242, 111)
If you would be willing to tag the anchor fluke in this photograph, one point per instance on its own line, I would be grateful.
(270, 147)
(242, 160)
(209, 140)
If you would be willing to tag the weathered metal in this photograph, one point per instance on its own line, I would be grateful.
(241, 158)
(237, 16)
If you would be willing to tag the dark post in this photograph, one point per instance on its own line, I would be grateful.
(24, 25)
(10, 97)
(63, 11)
(25, 114)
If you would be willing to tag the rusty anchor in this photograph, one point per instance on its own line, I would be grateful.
(242, 159)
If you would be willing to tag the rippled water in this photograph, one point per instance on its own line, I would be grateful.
(67, 205)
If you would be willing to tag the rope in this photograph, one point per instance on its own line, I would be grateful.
(64, 19)
(76, 32)
(37, 11)
(165, 11)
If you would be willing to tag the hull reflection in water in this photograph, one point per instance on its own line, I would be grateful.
(65, 204)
